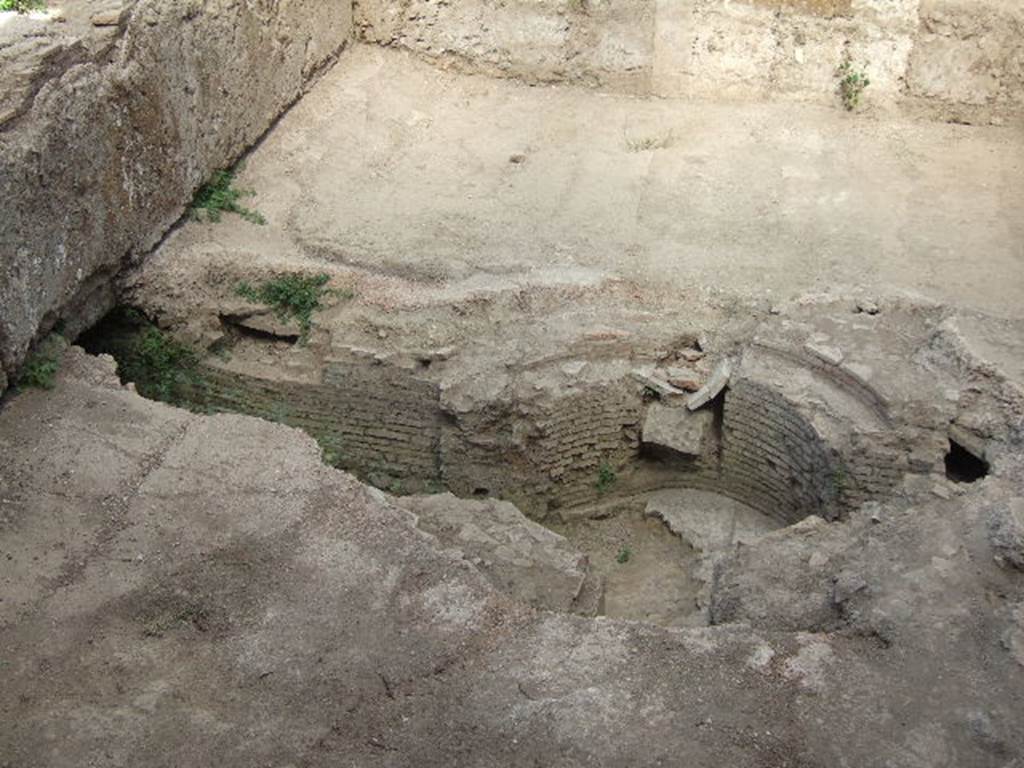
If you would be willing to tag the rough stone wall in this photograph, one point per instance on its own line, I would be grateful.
(969, 53)
(106, 133)
(606, 43)
(963, 57)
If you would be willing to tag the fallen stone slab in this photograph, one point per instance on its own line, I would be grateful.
(718, 381)
(709, 521)
(678, 429)
(660, 386)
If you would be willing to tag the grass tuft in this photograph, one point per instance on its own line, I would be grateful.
(291, 296)
(852, 82)
(160, 366)
(220, 194)
(22, 6)
(606, 478)
(40, 367)
(650, 143)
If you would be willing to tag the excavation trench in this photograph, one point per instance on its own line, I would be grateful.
(652, 483)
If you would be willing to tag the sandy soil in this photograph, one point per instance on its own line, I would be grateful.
(451, 180)
(648, 571)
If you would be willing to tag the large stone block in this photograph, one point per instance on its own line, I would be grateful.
(107, 131)
(678, 428)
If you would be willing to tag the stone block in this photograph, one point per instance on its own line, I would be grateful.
(678, 429)
(109, 131)
(716, 383)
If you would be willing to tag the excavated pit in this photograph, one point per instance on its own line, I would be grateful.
(650, 482)
(708, 367)
(606, 369)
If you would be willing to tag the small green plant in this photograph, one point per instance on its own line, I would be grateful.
(330, 449)
(160, 366)
(852, 82)
(839, 481)
(220, 194)
(279, 412)
(189, 615)
(625, 553)
(40, 368)
(22, 6)
(606, 478)
(649, 143)
(291, 296)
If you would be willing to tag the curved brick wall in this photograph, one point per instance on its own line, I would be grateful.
(390, 425)
(773, 460)
(383, 422)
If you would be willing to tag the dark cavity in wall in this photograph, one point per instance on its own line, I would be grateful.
(962, 466)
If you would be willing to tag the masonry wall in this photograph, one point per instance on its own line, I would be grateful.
(381, 423)
(959, 58)
(111, 118)
(389, 426)
(773, 460)
(549, 454)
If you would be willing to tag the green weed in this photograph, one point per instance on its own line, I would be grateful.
(606, 478)
(220, 194)
(650, 143)
(40, 367)
(330, 449)
(625, 553)
(839, 481)
(22, 6)
(291, 296)
(852, 82)
(280, 412)
(161, 367)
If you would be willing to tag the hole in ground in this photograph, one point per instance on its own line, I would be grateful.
(655, 551)
(962, 466)
(655, 561)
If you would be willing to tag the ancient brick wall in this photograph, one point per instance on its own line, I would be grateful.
(389, 425)
(772, 459)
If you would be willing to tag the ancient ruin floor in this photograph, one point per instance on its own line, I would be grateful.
(466, 518)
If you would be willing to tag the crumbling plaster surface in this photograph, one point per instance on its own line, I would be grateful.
(953, 57)
(112, 115)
